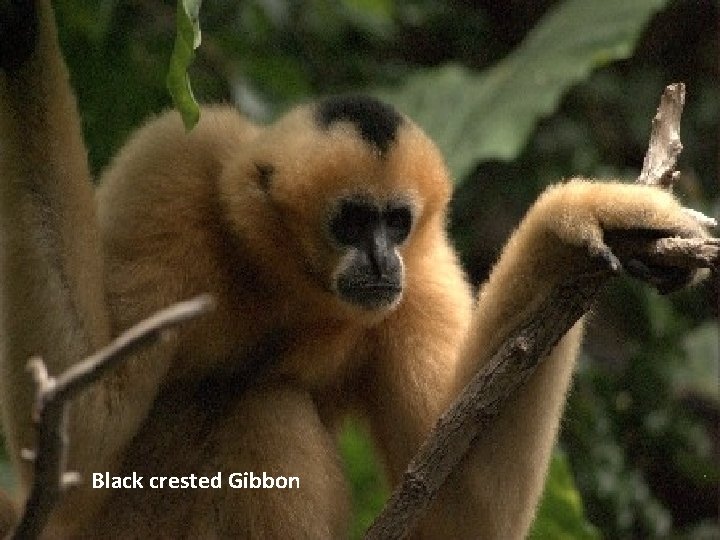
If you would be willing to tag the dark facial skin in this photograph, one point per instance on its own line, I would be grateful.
(371, 274)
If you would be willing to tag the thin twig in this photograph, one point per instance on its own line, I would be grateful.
(664, 146)
(689, 253)
(52, 396)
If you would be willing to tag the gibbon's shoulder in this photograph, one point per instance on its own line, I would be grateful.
(162, 162)
(163, 140)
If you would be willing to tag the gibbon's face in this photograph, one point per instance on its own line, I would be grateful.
(353, 185)
(369, 233)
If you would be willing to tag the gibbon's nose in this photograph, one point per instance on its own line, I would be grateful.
(379, 252)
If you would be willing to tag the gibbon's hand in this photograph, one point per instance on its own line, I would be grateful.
(604, 219)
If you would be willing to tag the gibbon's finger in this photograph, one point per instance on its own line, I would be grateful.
(672, 278)
(638, 270)
(665, 279)
(702, 219)
(603, 257)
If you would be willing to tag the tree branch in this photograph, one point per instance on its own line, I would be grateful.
(516, 359)
(689, 253)
(664, 146)
(52, 396)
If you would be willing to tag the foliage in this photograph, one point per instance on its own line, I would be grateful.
(639, 427)
(560, 515)
(369, 489)
(489, 115)
(187, 40)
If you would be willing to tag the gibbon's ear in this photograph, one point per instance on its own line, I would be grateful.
(18, 33)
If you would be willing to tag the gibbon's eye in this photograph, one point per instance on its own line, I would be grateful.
(352, 222)
(398, 220)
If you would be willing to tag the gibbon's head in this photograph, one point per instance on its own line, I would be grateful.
(348, 194)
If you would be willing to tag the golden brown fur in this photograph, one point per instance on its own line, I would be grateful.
(8, 513)
(262, 382)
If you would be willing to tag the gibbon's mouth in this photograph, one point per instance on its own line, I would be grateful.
(370, 295)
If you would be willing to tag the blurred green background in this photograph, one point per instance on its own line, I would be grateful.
(518, 94)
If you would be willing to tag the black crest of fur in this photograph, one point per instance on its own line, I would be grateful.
(377, 122)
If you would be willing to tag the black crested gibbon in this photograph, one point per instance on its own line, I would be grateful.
(323, 239)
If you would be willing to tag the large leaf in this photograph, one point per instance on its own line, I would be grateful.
(490, 115)
(186, 41)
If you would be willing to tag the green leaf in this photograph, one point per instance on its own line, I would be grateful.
(490, 115)
(560, 515)
(368, 486)
(186, 41)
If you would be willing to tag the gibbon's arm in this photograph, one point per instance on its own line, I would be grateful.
(53, 301)
(494, 491)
